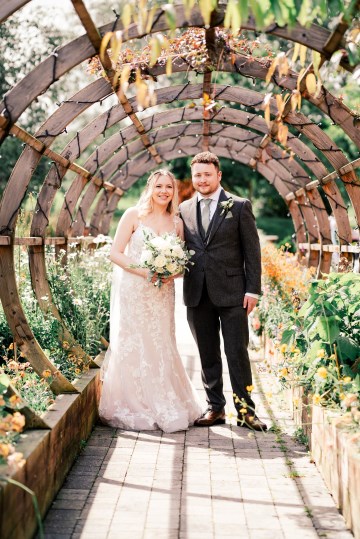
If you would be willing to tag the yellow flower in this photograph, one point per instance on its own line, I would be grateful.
(66, 345)
(46, 373)
(249, 389)
(284, 372)
(236, 400)
(230, 415)
(17, 422)
(320, 353)
(77, 371)
(11, 346)
(347, 380)
(283, 348)
(342, 396)
(14, 400)
(5, 450)
(322, 372)
(243, 411)
(316, 398)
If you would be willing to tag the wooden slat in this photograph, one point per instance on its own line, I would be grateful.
(32, 240)
(330, 248)
(8, 7)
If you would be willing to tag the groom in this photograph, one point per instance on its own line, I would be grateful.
(221, 288)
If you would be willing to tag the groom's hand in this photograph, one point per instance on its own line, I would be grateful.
(249, 303)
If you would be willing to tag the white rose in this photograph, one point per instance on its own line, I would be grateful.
(172, 267)
(146, 256)
(178, 252)
(160, 243)
(160, 261)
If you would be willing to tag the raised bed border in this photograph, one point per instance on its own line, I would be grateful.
(49, 455)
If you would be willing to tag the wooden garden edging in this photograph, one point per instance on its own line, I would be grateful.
(49, 456)
(333, 452)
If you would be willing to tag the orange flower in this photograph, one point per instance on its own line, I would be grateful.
(46, 373)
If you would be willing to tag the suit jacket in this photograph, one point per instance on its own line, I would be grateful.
(228, 258)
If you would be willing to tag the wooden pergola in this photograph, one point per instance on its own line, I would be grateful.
(237, 133)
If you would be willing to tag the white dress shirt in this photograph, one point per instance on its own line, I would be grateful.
(213, 205)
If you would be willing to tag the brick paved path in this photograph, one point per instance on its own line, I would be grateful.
(221, 483)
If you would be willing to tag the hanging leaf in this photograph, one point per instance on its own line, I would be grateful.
(271, 70)
(141, 91)
(257, 11)
(188, 5)
(155, 47)
(296, 52)
(169, 66)
(206, 8)
(124, 77)
(303, 50)
(295, 100)
(316, 60)
(266, 107)
(283, 132)
(311, 83)
(104, 45)
(150, 19)
(283, 65)
(126, 16)
(116, 43)
(170, 15)
(299, 79)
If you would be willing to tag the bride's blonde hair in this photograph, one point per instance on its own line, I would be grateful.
(145, 203)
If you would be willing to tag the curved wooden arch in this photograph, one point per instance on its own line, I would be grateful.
(305, 203)
(186, 146)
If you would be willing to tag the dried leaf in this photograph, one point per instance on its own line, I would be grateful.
(311, 83)
(150, 19)
(104, 44)
(295, 100)
(188, 5)
(124, 78)
(283, 132)
(169, 66)
(126, 15)
(296, 52)
(303, 51)
(155, 47)
(271, 70)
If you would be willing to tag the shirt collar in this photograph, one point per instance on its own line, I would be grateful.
(214, 196)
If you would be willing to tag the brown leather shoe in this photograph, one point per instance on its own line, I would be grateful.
(251, 421)
(211, 417)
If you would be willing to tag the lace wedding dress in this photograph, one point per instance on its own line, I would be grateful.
(145, 384)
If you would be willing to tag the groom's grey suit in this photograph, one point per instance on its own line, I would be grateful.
(227, 263)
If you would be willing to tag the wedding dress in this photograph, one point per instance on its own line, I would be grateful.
(145, 385)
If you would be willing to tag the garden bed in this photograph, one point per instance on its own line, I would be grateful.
(49, 455)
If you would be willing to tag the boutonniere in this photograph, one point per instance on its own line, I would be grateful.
(226, 205)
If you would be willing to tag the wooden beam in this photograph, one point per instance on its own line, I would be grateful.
(50, 240)
(95, 39)
(40, 147)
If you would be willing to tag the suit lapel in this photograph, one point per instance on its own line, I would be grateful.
(217, 218)
(192, 221)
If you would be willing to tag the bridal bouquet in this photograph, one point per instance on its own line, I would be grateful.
(164, 256)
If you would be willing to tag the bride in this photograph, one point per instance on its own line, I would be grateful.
(145, 384)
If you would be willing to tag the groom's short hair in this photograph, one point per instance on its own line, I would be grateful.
(206, 158)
